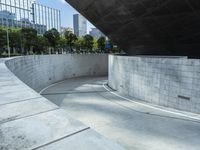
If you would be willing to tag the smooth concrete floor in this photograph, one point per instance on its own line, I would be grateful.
(133, 126)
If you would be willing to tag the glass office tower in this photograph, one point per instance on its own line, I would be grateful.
(80, 25)
(45, 18)
(27, 13)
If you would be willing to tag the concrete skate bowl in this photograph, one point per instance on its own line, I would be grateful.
(30, 121)
(39, 72)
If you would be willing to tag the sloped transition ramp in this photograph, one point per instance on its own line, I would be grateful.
(30, 121)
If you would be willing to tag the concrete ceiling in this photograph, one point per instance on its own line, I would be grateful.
(147, 27)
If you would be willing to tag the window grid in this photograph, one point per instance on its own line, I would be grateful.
(27, 13)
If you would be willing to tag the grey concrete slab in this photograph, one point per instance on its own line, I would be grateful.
(22, 109)
(10, 97)
(8, 83)
(29, 121)
(170, 82)
(34, 131)
(13, 88)
(86, 140)
(133, 126)
(83, 84)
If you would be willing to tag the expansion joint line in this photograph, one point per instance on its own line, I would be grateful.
(59, 139)
(149, 106)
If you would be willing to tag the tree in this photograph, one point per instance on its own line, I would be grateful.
(15, 40)
(71, 39)
(79, 45)
(88, 42)
(2, 40)
(41, 46)
(53, 37)
(95, 45)
(29, 38)
(62, 43)
(102, 43)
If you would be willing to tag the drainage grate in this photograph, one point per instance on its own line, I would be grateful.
(184, 97)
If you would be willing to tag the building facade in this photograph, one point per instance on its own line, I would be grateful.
(80, 25)
(47, 17)
(64, 29)
(27, 13)
(96, 33)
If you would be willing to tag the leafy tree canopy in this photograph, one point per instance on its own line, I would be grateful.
(102, 43)
(29, 37)
(88, 42)
(70, 39)
(52, 36)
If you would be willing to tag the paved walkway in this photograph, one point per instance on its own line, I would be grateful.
(134, 126)
(29, 121)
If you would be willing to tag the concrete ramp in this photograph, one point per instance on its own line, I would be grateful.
(30, 121)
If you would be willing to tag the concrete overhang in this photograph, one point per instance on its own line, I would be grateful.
(147, 27)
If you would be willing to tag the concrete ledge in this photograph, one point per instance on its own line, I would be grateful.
(167, 81)
(28, 120)
(40, 71)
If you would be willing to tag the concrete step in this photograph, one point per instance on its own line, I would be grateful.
(23, 109)
(86, 140)
(37, 130)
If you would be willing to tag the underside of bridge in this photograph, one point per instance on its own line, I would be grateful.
(147, 27)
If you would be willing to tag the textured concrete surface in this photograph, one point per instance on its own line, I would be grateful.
(30, 121)
(89, 141)
(167, 81)
(134, 126)
(41, 71)
(147, 27)
(17, 110)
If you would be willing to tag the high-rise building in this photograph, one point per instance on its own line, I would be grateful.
(49, 17)
(28, 13)
(64, 29)
(96, 33)
(80, 25)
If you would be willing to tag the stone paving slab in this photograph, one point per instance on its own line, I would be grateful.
(10, 97)
(86, 140)
(34, 131)
(21, 109)
(13, 89)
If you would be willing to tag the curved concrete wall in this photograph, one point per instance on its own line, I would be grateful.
(30, 121)
(41, 71)
(172, 82)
